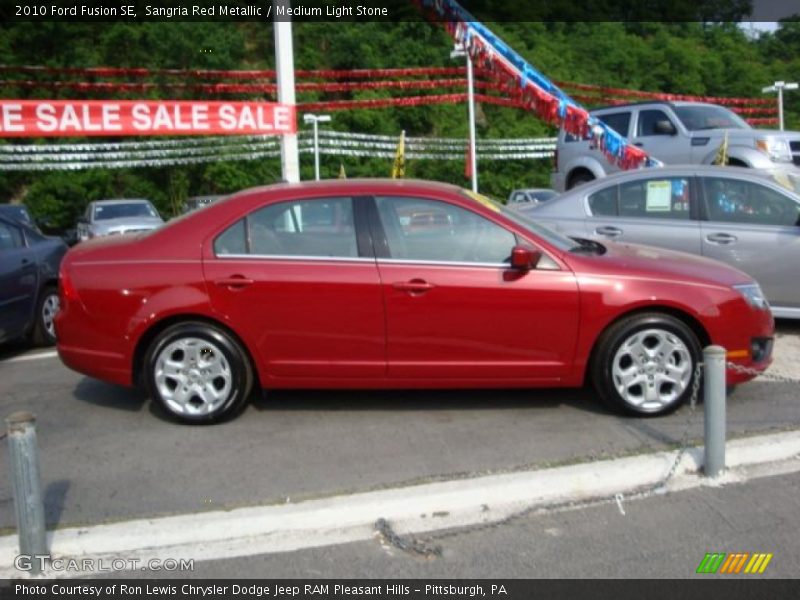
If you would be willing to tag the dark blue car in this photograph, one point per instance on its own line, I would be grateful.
(29, 263)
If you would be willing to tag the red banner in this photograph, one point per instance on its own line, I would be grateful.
(51, 118)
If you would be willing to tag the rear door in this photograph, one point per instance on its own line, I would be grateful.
(657, 211)
(455, 309)
(297, 280)
(18, 281)
(755, 228)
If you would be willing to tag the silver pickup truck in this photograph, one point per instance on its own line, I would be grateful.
(675, 133)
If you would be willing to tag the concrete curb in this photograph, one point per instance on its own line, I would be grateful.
(418, 509)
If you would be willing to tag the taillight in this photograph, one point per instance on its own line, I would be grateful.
(66, 289)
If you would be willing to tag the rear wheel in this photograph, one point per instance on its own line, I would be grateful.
(44, 331)
(198, 373)
(645, 364)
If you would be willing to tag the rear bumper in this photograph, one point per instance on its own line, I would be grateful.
(106, 366)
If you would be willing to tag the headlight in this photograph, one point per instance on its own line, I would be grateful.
(777, 150)
(753, 294)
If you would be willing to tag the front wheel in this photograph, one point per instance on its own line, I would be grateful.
(645, 364)
(198, 373)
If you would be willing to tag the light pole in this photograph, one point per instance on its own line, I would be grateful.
(315, 120)
(284, 66)
(779, 86)
(457, 52)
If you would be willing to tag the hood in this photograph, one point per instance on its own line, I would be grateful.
(650, 262)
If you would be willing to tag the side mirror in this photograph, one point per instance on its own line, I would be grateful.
(524, 258)
(83, 221)
(665, 127)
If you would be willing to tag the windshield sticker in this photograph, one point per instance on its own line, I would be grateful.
(659, 196)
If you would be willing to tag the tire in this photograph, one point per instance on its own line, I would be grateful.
(198, 373)
(44, 333)
(659, 385)
(579, 179)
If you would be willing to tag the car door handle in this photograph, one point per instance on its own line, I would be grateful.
(721, 238)
(234, 281)
(640, 144)
(609, 231)
(415, 286)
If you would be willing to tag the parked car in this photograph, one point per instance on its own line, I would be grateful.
(531, 196)
(112, 217)
(29, 265)
(675, 133)
(241, 295)
(742, 217)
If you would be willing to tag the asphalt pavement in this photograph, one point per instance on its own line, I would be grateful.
(657, 537)
(107, 454)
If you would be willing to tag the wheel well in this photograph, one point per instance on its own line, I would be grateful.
(735, 162)
(156, 328)
(687, 319)
(576, 173)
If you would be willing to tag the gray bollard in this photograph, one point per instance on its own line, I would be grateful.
(714, 410)
(27, 486)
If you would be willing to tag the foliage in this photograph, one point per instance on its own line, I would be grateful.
(712, 58)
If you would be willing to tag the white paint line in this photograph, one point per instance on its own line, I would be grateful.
(341, 519)
(37, 356)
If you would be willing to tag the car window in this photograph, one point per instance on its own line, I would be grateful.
(738, 201)
(619, 122)
(322, 227)
(648, 120)
(117, 211)
(660, 198)
(603, 203)
(430, 230)
(10, 237)
(519, 197)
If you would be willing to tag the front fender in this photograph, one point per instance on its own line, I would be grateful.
(751, 157)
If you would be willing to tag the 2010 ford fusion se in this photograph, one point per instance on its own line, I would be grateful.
(394, 284)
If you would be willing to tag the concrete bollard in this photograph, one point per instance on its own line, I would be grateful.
(714, 410)
(26, 484)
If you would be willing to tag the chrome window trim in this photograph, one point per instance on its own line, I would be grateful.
(296, 257)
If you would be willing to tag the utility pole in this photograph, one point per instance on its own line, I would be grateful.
(315, 120)
(458, 52)
(284, 65)
(779, 86)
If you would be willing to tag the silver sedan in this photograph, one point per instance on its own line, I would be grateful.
(746, 218)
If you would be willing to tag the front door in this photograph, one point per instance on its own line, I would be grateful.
(455, 309)
(755, 228)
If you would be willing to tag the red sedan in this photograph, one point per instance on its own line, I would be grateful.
(333, 285)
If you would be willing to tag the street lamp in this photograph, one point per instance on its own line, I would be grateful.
(315, 120)
(458, 52)
(779, 86)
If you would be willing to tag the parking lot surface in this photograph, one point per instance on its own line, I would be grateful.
(106, 454)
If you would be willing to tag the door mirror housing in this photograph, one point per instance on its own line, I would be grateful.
(665, 127)
(83, 221)
(524, 258)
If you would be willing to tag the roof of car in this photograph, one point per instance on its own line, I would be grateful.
(350, 184)
(672, 103)
(121, 201)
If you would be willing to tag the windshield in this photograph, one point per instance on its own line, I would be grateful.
(122, 210)
(697, 117)
(18, 213)
(554, 238)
